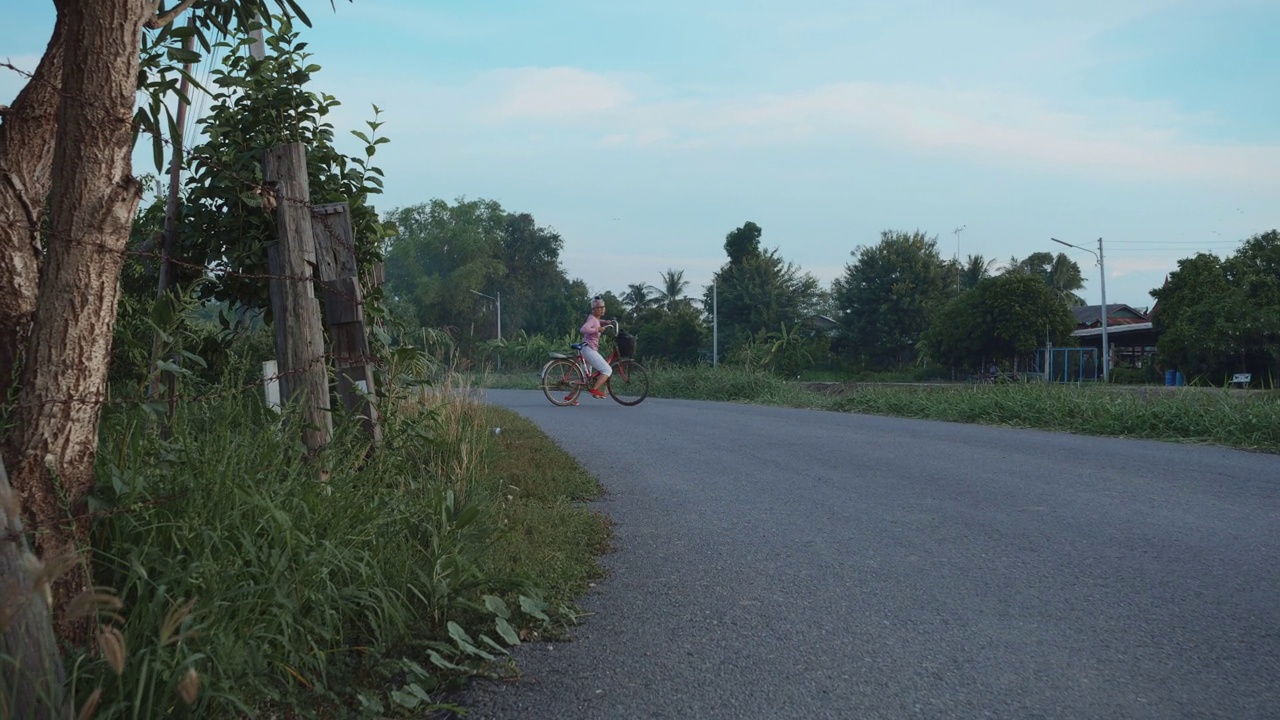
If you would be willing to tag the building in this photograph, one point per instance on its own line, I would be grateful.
(1130, 335)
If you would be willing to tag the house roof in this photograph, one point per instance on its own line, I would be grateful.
(1113, 329)
(820, 322)
(1117, 314)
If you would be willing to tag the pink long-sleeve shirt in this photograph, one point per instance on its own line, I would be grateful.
(591, 332)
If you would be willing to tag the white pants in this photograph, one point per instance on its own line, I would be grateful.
(596, 360)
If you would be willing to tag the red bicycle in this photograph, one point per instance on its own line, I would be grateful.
(564, 377)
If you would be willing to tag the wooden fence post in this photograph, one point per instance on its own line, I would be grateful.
(344, 311)
(295, 312)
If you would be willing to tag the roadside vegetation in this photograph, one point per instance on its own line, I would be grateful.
(1248, 419)
(237, 580)
(169, 547)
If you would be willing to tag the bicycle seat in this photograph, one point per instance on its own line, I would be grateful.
(577, 346)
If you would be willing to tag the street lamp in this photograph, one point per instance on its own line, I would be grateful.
(715, 323)
(499, 301)
(1102, 270)
(957, 232)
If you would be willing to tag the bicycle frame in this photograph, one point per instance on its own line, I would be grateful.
(632, 388)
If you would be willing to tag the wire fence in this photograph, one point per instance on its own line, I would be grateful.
(272, 199)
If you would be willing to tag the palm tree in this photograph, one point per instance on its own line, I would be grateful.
(638, 297)
(671, 294)
(1064, 279)
(1060, 273)
(975, 270)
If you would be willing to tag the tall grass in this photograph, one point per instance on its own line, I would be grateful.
(250, 579)
(1183, 414)
(1248, 420)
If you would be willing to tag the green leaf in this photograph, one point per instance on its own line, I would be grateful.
(534, 608)
(183, 55)
(507, 632)
(494, 644)
(438, 660)
(496, 606)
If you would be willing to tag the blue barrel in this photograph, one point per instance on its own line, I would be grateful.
(1181, 380)
(1170, 377)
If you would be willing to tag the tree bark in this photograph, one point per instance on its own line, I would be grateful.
(32, 678)
(93, 202)
(27, 131)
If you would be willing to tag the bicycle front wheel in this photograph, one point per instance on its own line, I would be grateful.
(562, 381)
(629, 383)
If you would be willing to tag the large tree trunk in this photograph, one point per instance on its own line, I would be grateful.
(32, 675)
(92, 206)
(27, 131)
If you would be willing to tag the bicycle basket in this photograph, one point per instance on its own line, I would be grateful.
(626, 345)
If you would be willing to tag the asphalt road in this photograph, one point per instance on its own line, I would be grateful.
(777, 563)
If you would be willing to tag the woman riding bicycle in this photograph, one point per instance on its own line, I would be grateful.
(591, 330)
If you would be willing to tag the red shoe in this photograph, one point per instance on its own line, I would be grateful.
(570, 400)
(596, 393)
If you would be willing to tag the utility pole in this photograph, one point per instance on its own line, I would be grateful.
(715, 326)
(1102, 270)
(957, 232)
(1106, 349)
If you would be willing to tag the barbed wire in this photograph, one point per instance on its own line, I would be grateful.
(192, 155)
(340, 362)
(271, 199)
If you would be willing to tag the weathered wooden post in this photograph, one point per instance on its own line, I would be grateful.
(344, 311)
(295, 312)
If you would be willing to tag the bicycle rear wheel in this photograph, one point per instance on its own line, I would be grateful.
(629, 383)
(562, 381)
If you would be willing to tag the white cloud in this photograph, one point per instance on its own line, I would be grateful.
(1123, 139)
(1108, 138)
(558, 93)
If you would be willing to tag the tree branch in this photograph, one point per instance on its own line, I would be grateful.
(157, 22)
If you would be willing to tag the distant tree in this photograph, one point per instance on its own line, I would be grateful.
(1193, 316)
(887, 294)
(1059, 272)
(440, 254)
(760, 292)
(976, 269)
(533, 288)
(958, 333)
(743, 244)
(1216, 317)
(639, 297)
(1006, 316)
(675, 336)
(671, 291)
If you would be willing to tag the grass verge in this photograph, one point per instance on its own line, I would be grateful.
(1241, 419)
(547, 535)
(242, 580)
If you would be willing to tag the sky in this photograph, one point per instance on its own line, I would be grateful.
(645, 132)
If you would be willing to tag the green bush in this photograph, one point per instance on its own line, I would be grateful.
(354, 579)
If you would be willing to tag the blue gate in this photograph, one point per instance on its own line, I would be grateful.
(1071, 364)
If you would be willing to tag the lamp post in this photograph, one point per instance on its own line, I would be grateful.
(715, 324)
(498, 300)
(1102, 270)
(957, 232)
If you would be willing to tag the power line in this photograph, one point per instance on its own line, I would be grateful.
(1176, 242)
